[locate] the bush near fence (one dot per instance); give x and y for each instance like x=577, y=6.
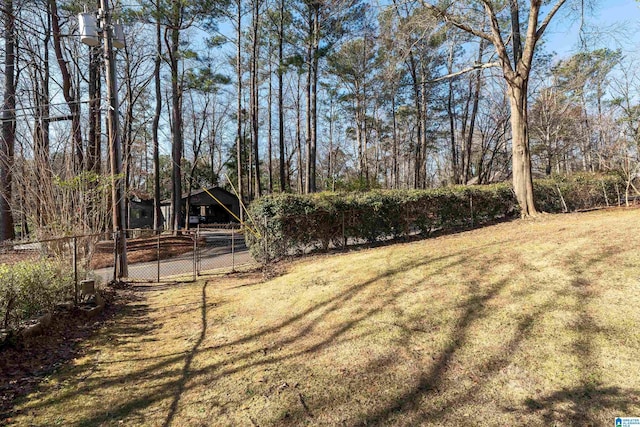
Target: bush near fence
x=30, y=288
x=288, y=223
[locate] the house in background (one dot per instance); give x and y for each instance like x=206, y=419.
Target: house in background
x=204, y=209
x=141, y=213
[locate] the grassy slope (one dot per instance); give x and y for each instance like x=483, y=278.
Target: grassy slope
x=525, y=323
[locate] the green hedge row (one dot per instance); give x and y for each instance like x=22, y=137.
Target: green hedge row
x=290, y=223
x=30, y=288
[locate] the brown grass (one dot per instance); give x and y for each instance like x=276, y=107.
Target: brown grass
x=526, y=323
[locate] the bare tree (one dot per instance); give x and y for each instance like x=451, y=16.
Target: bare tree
x=516, y=65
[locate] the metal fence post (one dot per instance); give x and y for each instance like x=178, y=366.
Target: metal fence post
x=471, y=207
x=195, y=256
x=233, y=249
x=266, y=243
x=158, y=254
x=344, y=238
x=115, y=255
x=74, y=243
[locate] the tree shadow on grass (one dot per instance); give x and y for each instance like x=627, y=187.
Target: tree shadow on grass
x=189, y=378
x=582, y=405
x=185, y=374
x=178, y=371
x=585, y=403
x=48, y=354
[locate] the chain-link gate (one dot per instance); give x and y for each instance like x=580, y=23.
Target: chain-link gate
x=154, y=256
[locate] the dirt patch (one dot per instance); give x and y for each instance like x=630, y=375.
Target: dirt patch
x=11, y=257
x=24, y=363
x=144, y=249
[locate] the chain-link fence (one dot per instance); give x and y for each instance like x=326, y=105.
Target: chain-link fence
x=154, y=256
x=35, y=275
x=81, y=253
x=38, y=276
x=151, y=255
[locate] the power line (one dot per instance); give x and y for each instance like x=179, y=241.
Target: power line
x=51, y=104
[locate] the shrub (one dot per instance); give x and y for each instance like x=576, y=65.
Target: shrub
x=30, y=288
x=289, y=223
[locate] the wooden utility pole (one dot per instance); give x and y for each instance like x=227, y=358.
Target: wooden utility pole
x=117, y=192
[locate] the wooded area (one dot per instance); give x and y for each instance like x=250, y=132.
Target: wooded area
x=298, y=96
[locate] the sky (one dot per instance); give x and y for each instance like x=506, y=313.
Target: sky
x=615, y=24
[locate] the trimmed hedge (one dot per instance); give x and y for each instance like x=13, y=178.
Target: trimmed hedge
x=290, y=223
x=30, y=288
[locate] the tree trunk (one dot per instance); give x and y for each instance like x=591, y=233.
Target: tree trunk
x=239, y=112
x=94, y=149
x=68, y=92
x=254, y=98
x=310, y=53
x=42, y=140
x=299, y=138
x=95, y=115
x=521, y=156
x=270, y=122
x=474, y=113
x=157, y=211
x=7, y=145
x=418, y=110
x=455, y=175
x=176, y=141
x=395, y=174
x=283, y=186
x=313, y=137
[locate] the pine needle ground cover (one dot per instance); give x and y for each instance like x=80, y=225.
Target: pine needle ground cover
x=524, y=323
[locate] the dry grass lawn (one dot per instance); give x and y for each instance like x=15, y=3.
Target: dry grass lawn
x=526, y=323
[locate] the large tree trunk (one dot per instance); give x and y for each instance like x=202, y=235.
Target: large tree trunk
x=176, y=151
x=522, y=178
x=7, y=145
x=239, y=112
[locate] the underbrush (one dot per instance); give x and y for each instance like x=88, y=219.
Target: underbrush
x=28, y=288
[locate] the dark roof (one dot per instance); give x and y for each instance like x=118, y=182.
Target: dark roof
x=195, y=193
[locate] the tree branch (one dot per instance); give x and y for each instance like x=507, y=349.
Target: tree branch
x=548, y=18
x=466, y=70
x=497, y=41
x=456, y=22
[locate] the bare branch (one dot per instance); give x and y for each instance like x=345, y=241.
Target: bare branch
x=466, y=70
x=497, y=39
x=456, y=21
x=548, y=18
